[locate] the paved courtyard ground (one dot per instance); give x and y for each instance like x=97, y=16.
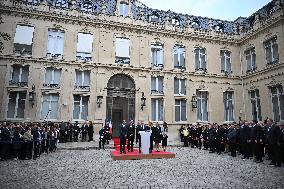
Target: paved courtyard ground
x=192, y=168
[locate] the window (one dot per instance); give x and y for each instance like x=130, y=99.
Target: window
x=88, y=6
x=23, y=40
x=195, y=24
x=180, y=110
x=55, y=44
x=202, y=105
x=52, y=77
x=219, y=27
x=123, y=9
x=19, y=75
x=179, y=86
x=179, y=57
x=154, y=17
x=157, y=109
x=60, y=3
x=277, y=99
x=80, y=110
x=84, y=46
x=176, y=21
x=228, y=106
x=251, y=59
x=49, y=106
x=82, y=80
x=157, y=85
x=200, y=62
x=122, y=51
x=255, y=105
x=16, y=105
x=157, y=53
x=271, y=51
x=226, y=66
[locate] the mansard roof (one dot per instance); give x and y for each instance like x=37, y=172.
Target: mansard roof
x=140, y=11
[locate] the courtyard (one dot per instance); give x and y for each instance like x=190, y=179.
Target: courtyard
x=92, y=168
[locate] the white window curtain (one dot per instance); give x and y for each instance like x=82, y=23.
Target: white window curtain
x=55, y=42
x=277, y=100
x=157, y=109
x=52, y=76
x=228, y=106
x=80, y=110
x=202, y=105
x=16, y=105
x=179, y=56
x=200, y=59
x=157, y=54
x=24, y=35
x=179, y=86
x=82, y=78
x=255, y=105
x=226, y=61
x=49, y=106
x=122, y=48
x=85, y=43
x=157, y=84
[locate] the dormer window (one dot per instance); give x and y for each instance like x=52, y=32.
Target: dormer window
x=154, y=17
x=123, y=9
x=176, y=21
x=88, y=6
x=219, y=27
x=23, y=40
x=195, y=24
x=61, y=3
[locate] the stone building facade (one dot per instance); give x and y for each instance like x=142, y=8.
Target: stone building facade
x=119, y=59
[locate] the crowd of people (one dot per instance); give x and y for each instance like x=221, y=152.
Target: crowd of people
x=250, y=139
x=30, y=140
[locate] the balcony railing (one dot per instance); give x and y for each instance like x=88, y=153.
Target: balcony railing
x=156, y=92
x=84, y=88
x=53, y=86
x=19, y=84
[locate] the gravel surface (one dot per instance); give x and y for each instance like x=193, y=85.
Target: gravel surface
x=192, y=168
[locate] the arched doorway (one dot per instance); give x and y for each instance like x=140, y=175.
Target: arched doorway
x=120, y=101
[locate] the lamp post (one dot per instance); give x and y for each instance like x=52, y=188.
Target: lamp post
x=143, y=101
x=32, y=96
x=99, y=100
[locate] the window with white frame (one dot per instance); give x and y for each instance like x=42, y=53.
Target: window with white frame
x=60, y=3
x=271, y=51
x=176, y=21
x=55, y=45
x=16, y=105
x=250, y=59
x=122, y=52
x=180, y=110
x=179, y=57
x=19, y=75
x=80, y=110
x=157, y=54
x=52, y=77
x=179, y=86
x=255, y=105
x=228, y=105
x=154, y=17
x=277, y=100
x=226, y=66
x=157, y=109
x=202, y=105
x=88, y=6
x=82, y=79
x=157, y=86
x=49, y=106
x=84, y=46
x=23, y=40
x=200, y=59
x=123, y=9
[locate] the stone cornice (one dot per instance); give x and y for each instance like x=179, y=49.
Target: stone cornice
x=119, y=67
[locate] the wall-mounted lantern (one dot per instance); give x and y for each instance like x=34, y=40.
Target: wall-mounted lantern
x=143, y=101
x=194, y=101
x=32, y=96
x=99, y=100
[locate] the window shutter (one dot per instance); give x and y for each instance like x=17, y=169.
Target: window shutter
x=222, y=62
x=24, y=35
x=84, y=43
x=122, y=47
x=176, y=63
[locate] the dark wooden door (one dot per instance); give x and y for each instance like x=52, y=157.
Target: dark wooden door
x=117, y=120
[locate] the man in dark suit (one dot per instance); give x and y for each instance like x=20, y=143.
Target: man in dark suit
x=130, y=135
x=76, y=130
x=274, y=140
x=102, y=135
x=84, y=131
x=245, y=140
x=123, y=135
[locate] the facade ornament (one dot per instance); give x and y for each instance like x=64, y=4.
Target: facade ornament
x=72, y=4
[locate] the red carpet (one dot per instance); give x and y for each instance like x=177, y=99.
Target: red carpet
x=136, y=155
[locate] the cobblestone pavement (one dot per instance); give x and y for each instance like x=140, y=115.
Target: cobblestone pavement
x=192, y=168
